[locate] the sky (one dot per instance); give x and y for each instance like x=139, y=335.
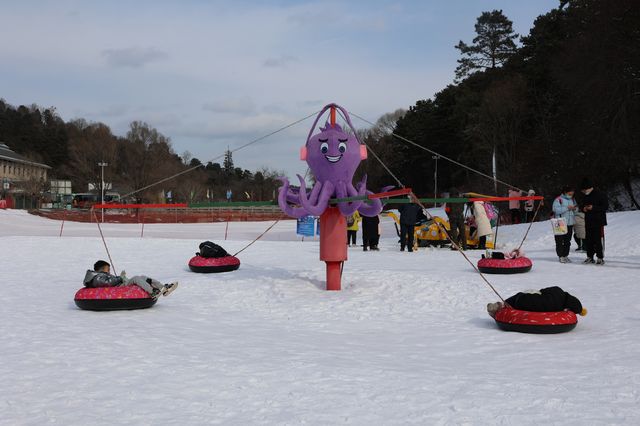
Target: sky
x=217, y=74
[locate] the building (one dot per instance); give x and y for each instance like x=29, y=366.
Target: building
x=16, y=171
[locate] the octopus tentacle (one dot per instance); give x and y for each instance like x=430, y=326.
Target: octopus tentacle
x=375, y=207
x=283, y=193
x=372, y=209
x=342, y=191
x=319, y=206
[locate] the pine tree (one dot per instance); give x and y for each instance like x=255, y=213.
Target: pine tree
x=227, y=165
x=492, y=46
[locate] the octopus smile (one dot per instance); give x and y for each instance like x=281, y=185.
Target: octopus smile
x=333, y=158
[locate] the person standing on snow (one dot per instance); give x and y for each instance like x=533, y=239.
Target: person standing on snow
x=528, y=207
x=579, y=231
x=594, y=206
x=483, y=224
x=408, y=218
x=370, y=236
x=352, y=228
x=456, y=221
x=564, y=206
x=514, y=205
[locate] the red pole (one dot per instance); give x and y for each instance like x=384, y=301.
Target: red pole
x=333, y=245
x=64, y=215
x=142, y=231
x=333, y=116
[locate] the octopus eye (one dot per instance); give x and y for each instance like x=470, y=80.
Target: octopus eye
x=324, y=148
x=342, y=147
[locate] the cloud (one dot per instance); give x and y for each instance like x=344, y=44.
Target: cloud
x=279, y=62
x=134, y=57
x=311, y=103
x=244, y=105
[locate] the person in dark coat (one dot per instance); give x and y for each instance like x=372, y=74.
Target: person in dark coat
x=370, y=235
x=456, y=221
x=594, y=206
x=101, y=276
x=551, y=299
x=409, y=214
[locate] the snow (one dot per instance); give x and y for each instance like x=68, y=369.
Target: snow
x=407, y=341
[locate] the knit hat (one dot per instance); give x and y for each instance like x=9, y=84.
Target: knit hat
x=586, y=184
x=573, y=304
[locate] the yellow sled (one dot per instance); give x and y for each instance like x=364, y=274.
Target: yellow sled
x=430, y=234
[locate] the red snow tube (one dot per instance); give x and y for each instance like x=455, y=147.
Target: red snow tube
x=505, y=266
x=113, y=298
x=509, y=319
x=208, y=265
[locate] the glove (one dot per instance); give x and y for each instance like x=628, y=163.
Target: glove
x=583, y=312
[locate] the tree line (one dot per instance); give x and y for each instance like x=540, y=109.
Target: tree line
x=142, y=157
x=562, y=105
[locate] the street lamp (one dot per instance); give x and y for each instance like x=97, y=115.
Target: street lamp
x=102, y=165
x=435, y=180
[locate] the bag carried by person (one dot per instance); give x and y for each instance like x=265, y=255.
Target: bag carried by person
x=209, y=249
x=559, y=225
x=351, y=220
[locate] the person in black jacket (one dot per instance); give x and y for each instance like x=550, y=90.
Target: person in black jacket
x=370, y=235
x=594, y=206
x=456, y=220
x=551, y=299
x=408, y=218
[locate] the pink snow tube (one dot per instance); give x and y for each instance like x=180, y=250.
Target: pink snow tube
x=510, y=319
x=505, y=266
x=113, y=298
x=214, y=264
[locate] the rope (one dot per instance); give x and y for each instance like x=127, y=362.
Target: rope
x=440, y=155
x=530, y=225
x=221, y=155
x=416, y=200
x=104, y=242
x=384, y=165
x=259, y=236
x=455, y=245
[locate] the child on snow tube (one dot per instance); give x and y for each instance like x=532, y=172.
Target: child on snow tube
x=101, y=277
x=551, y=299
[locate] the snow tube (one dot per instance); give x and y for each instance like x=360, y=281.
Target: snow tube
x=505, y=266
x=509, y=319
x=113, y=298
x=209, y=265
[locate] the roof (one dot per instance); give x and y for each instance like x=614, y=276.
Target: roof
x=7, y=153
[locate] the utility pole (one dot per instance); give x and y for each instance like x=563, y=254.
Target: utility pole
x=495, y=171
x=435, y=179
x=102, y=166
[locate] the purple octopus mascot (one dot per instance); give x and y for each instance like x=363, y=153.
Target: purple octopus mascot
x=333, y=156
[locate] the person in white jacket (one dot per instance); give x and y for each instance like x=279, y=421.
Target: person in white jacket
x=483, y=223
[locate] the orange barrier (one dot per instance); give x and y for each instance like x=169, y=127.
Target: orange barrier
x=140, y=206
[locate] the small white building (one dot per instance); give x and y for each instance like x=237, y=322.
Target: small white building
x=21, y=179
x=15, y=168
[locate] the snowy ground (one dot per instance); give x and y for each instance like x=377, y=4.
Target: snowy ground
x=407, y=341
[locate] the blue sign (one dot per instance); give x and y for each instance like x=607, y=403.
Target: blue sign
x=305, y=226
